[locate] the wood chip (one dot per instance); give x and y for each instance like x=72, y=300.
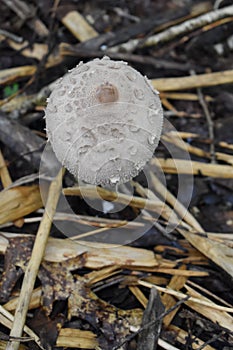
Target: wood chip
x=79, y=26
x=19, y=201
x=76, y=338
x=176, y=283
x=97, y=255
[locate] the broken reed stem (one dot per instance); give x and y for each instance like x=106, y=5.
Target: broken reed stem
x=34, y=263
x=181, y=166
x=179, y=208
x=192, y=82
x=181, y=295
x=102, y=193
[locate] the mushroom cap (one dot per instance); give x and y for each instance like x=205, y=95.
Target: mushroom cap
x=104, y=121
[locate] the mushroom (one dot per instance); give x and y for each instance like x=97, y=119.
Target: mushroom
x=104, y=121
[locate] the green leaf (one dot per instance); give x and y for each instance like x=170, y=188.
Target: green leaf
x=10, y=90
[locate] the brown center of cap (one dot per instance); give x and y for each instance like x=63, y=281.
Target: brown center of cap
x=107, y=93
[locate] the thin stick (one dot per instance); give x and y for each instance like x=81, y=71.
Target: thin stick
x=181, y=295
x=211, y=340
x=209, y=121
x=34, y=263
x=89, y=233
x=177, y=30
x=206, y=291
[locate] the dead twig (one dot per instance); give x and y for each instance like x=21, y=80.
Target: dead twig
x=209, y=121
x=177, y=30
x=210, y=124
x=12, y=36
x=27, y=13
x=148, y=338
x=211, y=340
x=149, y=324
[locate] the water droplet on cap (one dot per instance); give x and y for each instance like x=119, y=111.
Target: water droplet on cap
x=134, y=128
x=102, y=148
x=83, y=149
x=83, y=68
x=151, y=139
x=152, y=118
x=115, y=179
x=139, y=94
x=67, y=136
x=115, y=65
x=138, y=166
x=73, y=80
x=52, y=108
x=83, y=103
x=71, y=93
x=61, y=92
x=68, y=108
x=131, y=75
x=120, y=139
x=133, y=150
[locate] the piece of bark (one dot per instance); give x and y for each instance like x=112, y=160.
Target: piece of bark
x=148, y=337
x=16, y=258
x=98, y=255
x=6, y=181
x=24, y=143
x=19, y=201
x=113, y=324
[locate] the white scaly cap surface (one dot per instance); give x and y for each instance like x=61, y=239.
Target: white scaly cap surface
x=104, y=121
